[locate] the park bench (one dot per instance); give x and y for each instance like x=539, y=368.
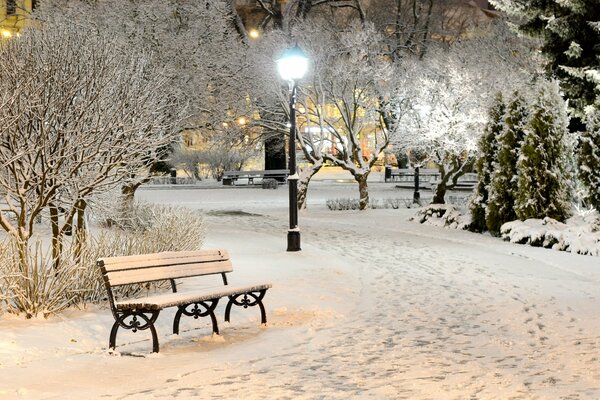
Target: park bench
x=141, y=313
x=405, y=177
x=230, y=177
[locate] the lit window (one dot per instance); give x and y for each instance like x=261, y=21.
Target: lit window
x=11, y=7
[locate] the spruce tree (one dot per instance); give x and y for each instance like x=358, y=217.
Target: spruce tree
x=545, y=166
x=488, y=147
x=589, y=157
x=503, y=182
x=570, y=31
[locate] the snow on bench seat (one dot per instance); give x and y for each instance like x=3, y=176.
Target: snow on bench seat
x=161, y=301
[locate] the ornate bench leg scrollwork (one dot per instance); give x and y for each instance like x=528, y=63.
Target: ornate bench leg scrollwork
x=134, y=321
x=246, y=300
x=196, y=311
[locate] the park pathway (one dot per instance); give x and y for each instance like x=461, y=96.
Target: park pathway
x=435, y=318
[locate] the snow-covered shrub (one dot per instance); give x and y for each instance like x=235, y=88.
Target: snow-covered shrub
x=270, y=183
x=589, y=156
x=34, y=287
x=488, y=149
x=545, y=163
x=31, y=286
x=579, y=234
x=443, y=215
x=503, y=182
x=354, y=204
x=396, y=203
x=342, y=204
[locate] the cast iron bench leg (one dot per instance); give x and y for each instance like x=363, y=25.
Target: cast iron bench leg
x=134, y=325
x=197, y=312
x=246, y=302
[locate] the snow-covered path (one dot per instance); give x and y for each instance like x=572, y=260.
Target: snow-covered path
x=439, y=318
x=373, y=307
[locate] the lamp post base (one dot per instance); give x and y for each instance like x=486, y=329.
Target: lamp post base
x=416, y=197
x=293, y=240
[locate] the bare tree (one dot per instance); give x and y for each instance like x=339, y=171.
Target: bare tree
x=80, y=114
x=343, y=121
x=195, y=43
x=411, y=26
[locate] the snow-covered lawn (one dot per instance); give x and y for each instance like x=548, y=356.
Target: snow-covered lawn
x=373, y=307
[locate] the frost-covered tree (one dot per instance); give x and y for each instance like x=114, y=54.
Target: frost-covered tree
x=410, y=26
x=503, y=181
x=279, y=18
x=570, y=31
x=452, y=88
x=488, y=149
x=79, y=114
x=447, y=115
x=340, y=99
x=196, y=45
x=589, y=156
x=545, y=163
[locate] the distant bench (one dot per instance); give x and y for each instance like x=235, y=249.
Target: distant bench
x=407, y=175
x=230, y=177
x=141, y=313
x=428, y=178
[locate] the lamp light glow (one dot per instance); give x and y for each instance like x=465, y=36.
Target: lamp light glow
x=293, y=64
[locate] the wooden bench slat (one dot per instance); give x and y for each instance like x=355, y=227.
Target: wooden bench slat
x=164, y=258
x=158, y=302
x=123, y=277
x=124, y=266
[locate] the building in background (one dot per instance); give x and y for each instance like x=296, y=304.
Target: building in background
x=14, y=15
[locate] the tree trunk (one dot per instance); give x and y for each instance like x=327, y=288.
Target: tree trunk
x=81, y=231
x=303, y=182
x=363, y=190
x=23, y=252
x=56, y=236
x=127, y=199
x=440, y=192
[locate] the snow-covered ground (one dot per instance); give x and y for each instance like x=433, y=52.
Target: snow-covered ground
x=373, y=307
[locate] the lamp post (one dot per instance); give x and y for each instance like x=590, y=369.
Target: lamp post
x=292, y=66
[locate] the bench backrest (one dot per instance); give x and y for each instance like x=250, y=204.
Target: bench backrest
x=161, y=266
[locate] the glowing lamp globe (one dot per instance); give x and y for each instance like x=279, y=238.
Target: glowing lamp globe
x=293, y=64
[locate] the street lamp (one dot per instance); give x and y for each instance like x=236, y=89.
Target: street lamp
x=292, y=66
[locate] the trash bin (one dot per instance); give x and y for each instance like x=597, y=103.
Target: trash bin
x=173, y=172
x=388, y=173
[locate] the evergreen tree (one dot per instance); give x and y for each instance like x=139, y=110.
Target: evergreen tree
x=488, y=147
x=589, y=157
x=503, y=183
x=570, y=31
x=545, y=165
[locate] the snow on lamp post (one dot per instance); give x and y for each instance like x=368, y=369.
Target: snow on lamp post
x=292, y=66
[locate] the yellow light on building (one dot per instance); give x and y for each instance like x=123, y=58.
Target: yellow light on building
x=242, y=121
x=6, y=33
x=253, y=33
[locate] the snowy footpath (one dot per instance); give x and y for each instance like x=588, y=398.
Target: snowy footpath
x=373, y=307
